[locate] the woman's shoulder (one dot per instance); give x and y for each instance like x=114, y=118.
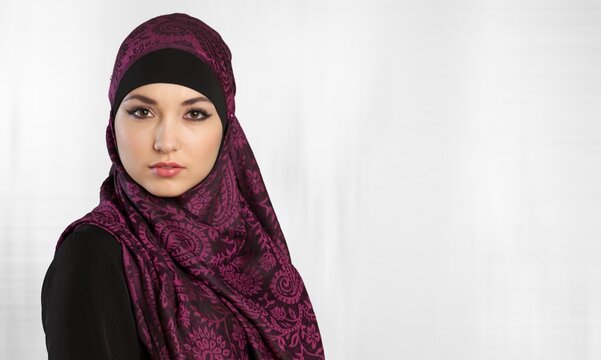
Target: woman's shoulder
x=91, y=232
x=86, y=309
x=86, y=263
x=88, y=240
x=86, y=266
x=87, y=254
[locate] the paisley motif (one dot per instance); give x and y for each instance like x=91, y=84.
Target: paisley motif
x=286, y=286
x=187, y=245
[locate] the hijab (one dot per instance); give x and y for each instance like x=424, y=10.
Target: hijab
x=208, y=272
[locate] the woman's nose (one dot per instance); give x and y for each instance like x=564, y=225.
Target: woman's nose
x=166, y=136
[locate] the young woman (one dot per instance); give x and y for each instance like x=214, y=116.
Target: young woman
x=183, y=258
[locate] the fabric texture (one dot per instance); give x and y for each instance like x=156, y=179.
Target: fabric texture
x=209, y=272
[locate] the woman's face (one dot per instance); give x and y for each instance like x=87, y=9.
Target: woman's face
x=169, y=124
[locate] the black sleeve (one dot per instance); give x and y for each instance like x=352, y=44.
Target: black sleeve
x=86, y=309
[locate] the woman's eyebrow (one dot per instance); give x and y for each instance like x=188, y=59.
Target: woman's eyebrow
x=194, y=100
x=142, y=98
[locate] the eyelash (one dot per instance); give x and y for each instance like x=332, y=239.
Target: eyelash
x=205, y=114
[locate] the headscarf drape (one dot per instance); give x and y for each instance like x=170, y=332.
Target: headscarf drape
x=209, y=272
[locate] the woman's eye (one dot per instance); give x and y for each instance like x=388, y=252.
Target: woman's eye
x=140, y=112
x=198, y=114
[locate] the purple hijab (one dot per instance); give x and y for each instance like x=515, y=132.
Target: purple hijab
x=209, y=272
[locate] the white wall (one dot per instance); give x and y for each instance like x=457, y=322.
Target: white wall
x=435, y=165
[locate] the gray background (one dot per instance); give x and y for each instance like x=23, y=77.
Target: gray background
x=435, y=165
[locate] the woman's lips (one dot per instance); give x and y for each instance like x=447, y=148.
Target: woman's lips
x=168, y=169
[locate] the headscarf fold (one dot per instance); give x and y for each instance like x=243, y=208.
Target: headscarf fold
x=209, y=272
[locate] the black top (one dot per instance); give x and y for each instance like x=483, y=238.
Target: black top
x=86, y=309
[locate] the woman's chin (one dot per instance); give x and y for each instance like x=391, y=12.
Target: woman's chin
x=165, y=191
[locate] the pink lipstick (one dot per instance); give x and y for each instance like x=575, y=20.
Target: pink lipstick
x=166, y=169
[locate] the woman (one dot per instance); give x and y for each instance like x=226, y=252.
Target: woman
x=184, y=257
